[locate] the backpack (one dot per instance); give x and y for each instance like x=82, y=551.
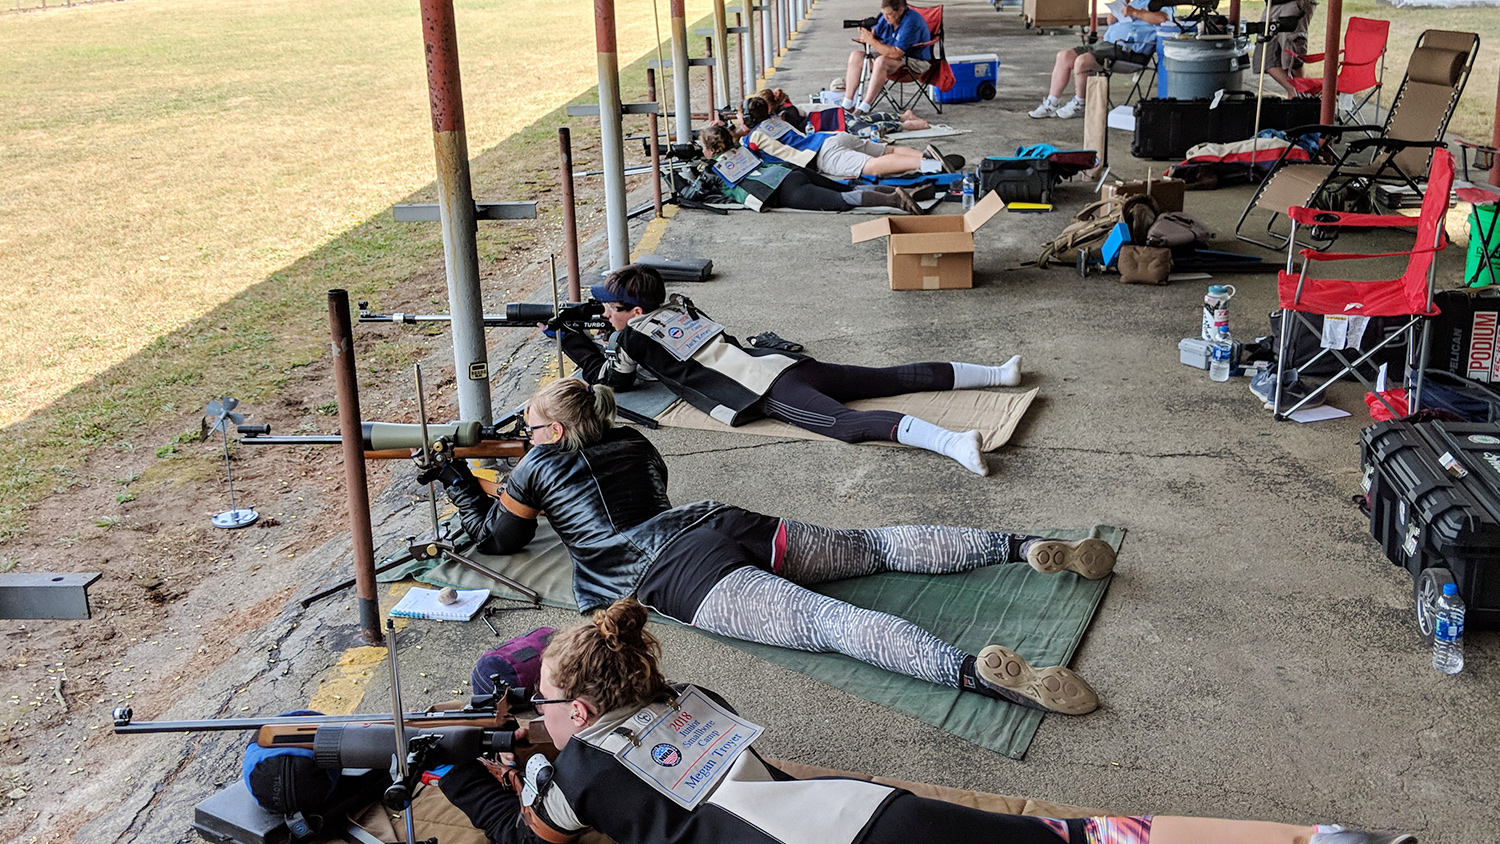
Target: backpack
x=1091, y=227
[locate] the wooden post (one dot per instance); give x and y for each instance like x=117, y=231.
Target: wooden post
x=1333, y=28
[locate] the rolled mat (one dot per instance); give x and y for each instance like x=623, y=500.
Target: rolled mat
x=1042, y=617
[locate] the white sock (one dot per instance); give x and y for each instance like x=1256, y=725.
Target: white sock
x=846, y=104
x=1050, y=100
x=967, y=375
x=931, y=166
x=1078, y=100
x=862, y=108
x=962, y=446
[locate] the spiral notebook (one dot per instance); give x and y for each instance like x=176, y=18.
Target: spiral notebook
x=424, y=603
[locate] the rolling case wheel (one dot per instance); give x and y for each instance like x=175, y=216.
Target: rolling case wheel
x=1426, y=589
x=986, y=91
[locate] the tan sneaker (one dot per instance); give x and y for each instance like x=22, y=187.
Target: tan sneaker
x=1055, y=689
x=1092, y=558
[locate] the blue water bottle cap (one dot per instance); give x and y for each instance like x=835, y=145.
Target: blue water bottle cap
x=1217, y=289
x=1450, y=589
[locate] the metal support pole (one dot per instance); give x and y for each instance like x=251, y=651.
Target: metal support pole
x=747, y=42
x=708, y=51
x=570, y=212
x=788, y=21
x=739, y=59
x=1495, y=142
x=767, y=39
x=456, y=211
x=1333, y=27
x=681, y=82
x=651, y=123
x=611, y=142
x=346, y=390
x=721, y=55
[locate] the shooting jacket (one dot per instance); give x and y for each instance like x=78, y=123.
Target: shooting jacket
x=754, y=803
x=608, y=503
x=723, y=378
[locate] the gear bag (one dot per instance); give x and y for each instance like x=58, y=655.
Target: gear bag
x=1091, y=227
x=517, y=663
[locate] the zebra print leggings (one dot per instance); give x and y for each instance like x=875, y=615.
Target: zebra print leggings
x=759, y=606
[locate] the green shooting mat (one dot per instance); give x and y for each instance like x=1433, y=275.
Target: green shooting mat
x=1042, y=617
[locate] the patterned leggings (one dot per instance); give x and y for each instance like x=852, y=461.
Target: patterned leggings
x=759, y=606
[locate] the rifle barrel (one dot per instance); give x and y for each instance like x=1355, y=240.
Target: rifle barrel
x=220, y=724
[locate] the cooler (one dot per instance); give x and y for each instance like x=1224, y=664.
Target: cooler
x=1442, y=524
x=973, y=79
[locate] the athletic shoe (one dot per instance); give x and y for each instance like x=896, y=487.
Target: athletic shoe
x=1073, y=108
x=1055, y=689
x=906, y=202
x=1092, y=558
x=1048, y=108
x=922, y=192
x=951, y=163
x=1293, y=389
x=1355, y=836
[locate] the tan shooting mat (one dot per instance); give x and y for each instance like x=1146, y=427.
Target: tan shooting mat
x=994, y=415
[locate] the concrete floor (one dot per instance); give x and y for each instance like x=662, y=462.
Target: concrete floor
x=1256, y=654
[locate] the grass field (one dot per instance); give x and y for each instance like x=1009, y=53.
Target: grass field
x=185, y=178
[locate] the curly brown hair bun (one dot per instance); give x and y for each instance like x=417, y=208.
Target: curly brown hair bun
x=609, y=661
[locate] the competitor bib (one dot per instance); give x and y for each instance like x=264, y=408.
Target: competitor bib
x=773, y=127
x=679, y=333
x=684, y=752
x=733, y=166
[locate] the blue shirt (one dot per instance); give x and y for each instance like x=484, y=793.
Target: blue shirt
x=1133, y=33
x=910, y=31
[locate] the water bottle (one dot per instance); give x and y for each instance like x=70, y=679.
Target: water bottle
x=1216, y=311
x=1448, y=632
x=1218, y=363
x=969, y=189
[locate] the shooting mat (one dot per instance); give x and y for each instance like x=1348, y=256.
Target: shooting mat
x=1040, y=616
x=995, y=415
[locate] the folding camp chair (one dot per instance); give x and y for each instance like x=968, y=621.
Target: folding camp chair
x=1409, y=296
x=1435, y=78
x=938, y=74
x=1361, y=66
x=1143, y=75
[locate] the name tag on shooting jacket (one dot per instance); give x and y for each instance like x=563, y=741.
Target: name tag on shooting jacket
x=733, y=166
x=685, y=752
x=773, y=127
x=679, y=333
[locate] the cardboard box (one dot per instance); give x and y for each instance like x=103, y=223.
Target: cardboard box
x=1168, y=193
x=933, y=252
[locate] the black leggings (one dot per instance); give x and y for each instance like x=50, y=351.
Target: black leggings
x=811, y=395
x=798, y=191
x=907, y=818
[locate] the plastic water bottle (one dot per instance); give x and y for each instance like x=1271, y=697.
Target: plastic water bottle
x=1216, y=311
x=969, y=189
x=1218, y=362
x=1448, y=632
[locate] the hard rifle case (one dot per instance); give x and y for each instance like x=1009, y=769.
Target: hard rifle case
x=1017, y=179
x=1424, y=516
x=1166, y=129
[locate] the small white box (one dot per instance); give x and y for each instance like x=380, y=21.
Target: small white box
x=1195, y=352
x=830, y=97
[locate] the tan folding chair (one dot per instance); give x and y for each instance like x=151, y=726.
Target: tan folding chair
x=1435, y=78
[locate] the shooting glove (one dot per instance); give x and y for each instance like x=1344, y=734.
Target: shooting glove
x=450, y=472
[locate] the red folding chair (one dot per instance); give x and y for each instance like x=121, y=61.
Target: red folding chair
x=1361, y=66
x=1409, y=296
x=938, y=74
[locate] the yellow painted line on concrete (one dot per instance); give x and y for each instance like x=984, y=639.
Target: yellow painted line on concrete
x=654, y=231
x=342, y=687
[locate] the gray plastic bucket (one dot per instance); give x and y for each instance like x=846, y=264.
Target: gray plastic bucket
x=1196, y=68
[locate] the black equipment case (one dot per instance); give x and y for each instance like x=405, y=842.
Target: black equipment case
x=1017, y=179
x=1165, y=129
x=1441, y=524
x=1466, y=335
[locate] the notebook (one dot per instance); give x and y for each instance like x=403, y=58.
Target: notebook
x=423, y=603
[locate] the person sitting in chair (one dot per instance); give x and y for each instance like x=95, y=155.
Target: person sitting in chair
x=891, y=44
x=1130, y=39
